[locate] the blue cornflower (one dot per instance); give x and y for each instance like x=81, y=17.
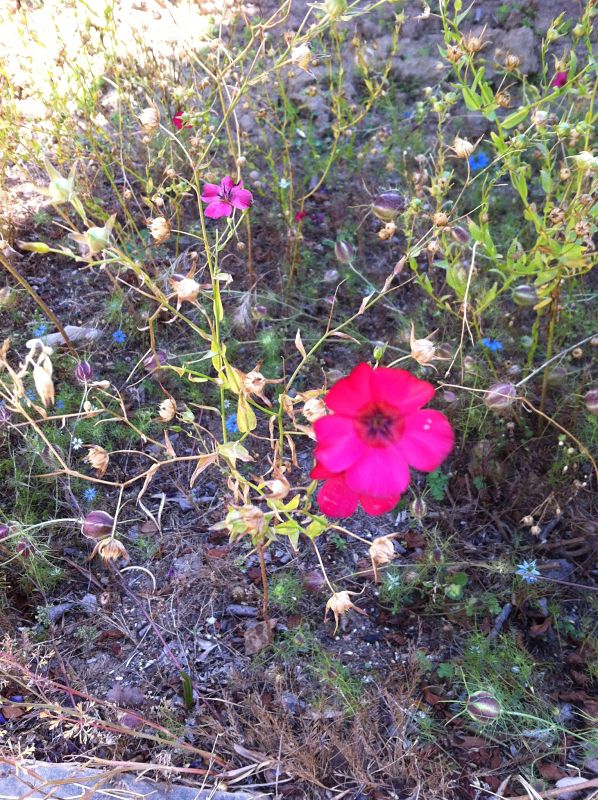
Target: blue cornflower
x=528, y=571
x=119, y=336
x=40, y=330
x=90, y=494
x=231, y=424
x=492, y=344
x=478, y=161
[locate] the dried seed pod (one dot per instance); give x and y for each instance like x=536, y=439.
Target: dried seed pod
x=344, y=252
x=98, y=458
x=500, y=396
x=149, y=119
x=381, y=551
x=591, y=400
x=339, y=603
x=462, y=147
x=483, y=707
x=159, y=229
x=167, y=409
x=97, y=524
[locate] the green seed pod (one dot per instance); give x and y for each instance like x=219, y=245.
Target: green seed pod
x=335, y=8
x=388, y=205
x=483, y=707
x=525, y=295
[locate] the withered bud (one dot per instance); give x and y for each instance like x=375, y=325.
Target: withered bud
x=462, y=147
x=159, y=229
x=314, y=408
x=167, y=409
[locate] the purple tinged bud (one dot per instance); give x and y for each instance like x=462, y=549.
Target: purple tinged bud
x=4, y=531
x=344, y=252
x=524, y=295
x=97, y=524
x=388, y=205
x=83, y=372
x=154, y=361
x=259, y=312
x=500, y=396
x=460, y=234
x=418, y=509
x=483, y=707
x=591, y=400
x=23, y=548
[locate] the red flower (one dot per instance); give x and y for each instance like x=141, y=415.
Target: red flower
x=377, y=431
x=222, y=198
x=177, y=121
x=300, y=215
x=559, y=80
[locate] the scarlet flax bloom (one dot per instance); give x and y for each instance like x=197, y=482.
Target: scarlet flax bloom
x=222, y=199
x=559, y=80
x=177, y=121
x=379, y=429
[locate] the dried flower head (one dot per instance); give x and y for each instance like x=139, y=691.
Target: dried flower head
x=42, y=378
x=314, y=408
x=473, y=42
x=149, y=119
x=440, y=219
x=278, y=486
x=564, y=173
x=339, y=603
x=454, y=53
x=382, y=551
x=301, y=56
x=388, y=231
x=422, y=350
x=511, y=62
x=186, y=290
x=159, y=228
x=247, y=519
x=503, y=99
x=167, y=409
x=110, y=549
x=98, y=458
x=539, y=117
x=462, y=148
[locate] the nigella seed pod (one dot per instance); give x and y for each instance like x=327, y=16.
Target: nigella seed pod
x=483, y=707
x=24, y=548
x=314, y=582
x=83, y=372
x=418, y=509
x=97, y=524
x=556, y=376
x=388, y=205
x=500, y=396
x=4, y=531
x=344, y=252
x=459, y=234
x=524, y=295
x=591, y=400
x=153, y=361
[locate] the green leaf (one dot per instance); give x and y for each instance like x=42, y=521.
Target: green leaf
x=515, y=118
x=472, y=101
x=316, y=527
x=546, y=181
x=291, y=529
x=187, y=691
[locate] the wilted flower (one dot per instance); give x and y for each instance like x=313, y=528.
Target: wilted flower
x=559, y=80
x=591, y=400
x=382, y=551
x=422, y=350
x=83, y=372
x=224, y=198
x=247, y=519
x=301, y=55
x=454, y=53
x=97, y=524
x=111, y=549
x=98, y=458
x=500, y=396
x=339, y=604
x=483, y=707
x=503, y=99
x=473, y=42
x=149, y=119
x=186, y=290
x=512, y=62
x=278, y=487
x=42, y=377
x=167, y=409
x=159, y=229
x=314, y=408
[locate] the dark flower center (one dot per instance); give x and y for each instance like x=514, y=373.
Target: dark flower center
x=378, y=425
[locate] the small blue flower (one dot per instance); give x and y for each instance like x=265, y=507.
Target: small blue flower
x=119, y=336
x=478, y=161
x=60, y=404
x=231, y=424
x=90, y=494
x=528, y=571
x=40, y=330
x=31, y=395
x=492, y=344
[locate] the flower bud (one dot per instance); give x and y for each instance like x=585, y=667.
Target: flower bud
x=83, y=372
x=33, y=247
x=159, y=229
x=98, y=239
x=97, y=524
x=500, y=396
x=388, y=205
x=591, y=400
x=344, y=252
x=418, y=509
x=524, y=295
x=335, y=8
x=483, y=707
x=313, y=581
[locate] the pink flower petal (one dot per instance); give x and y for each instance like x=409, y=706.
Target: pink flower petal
x=426, y=440
x=241, y=198
x=336, y=499
x=320, y=473
x=378, y=505
x=227, y=184
x=177, y=120
x=400, y=389
x=380, y=472
x=217, y=209
x=210, y=191
x=339, y=446
x=350, y=394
